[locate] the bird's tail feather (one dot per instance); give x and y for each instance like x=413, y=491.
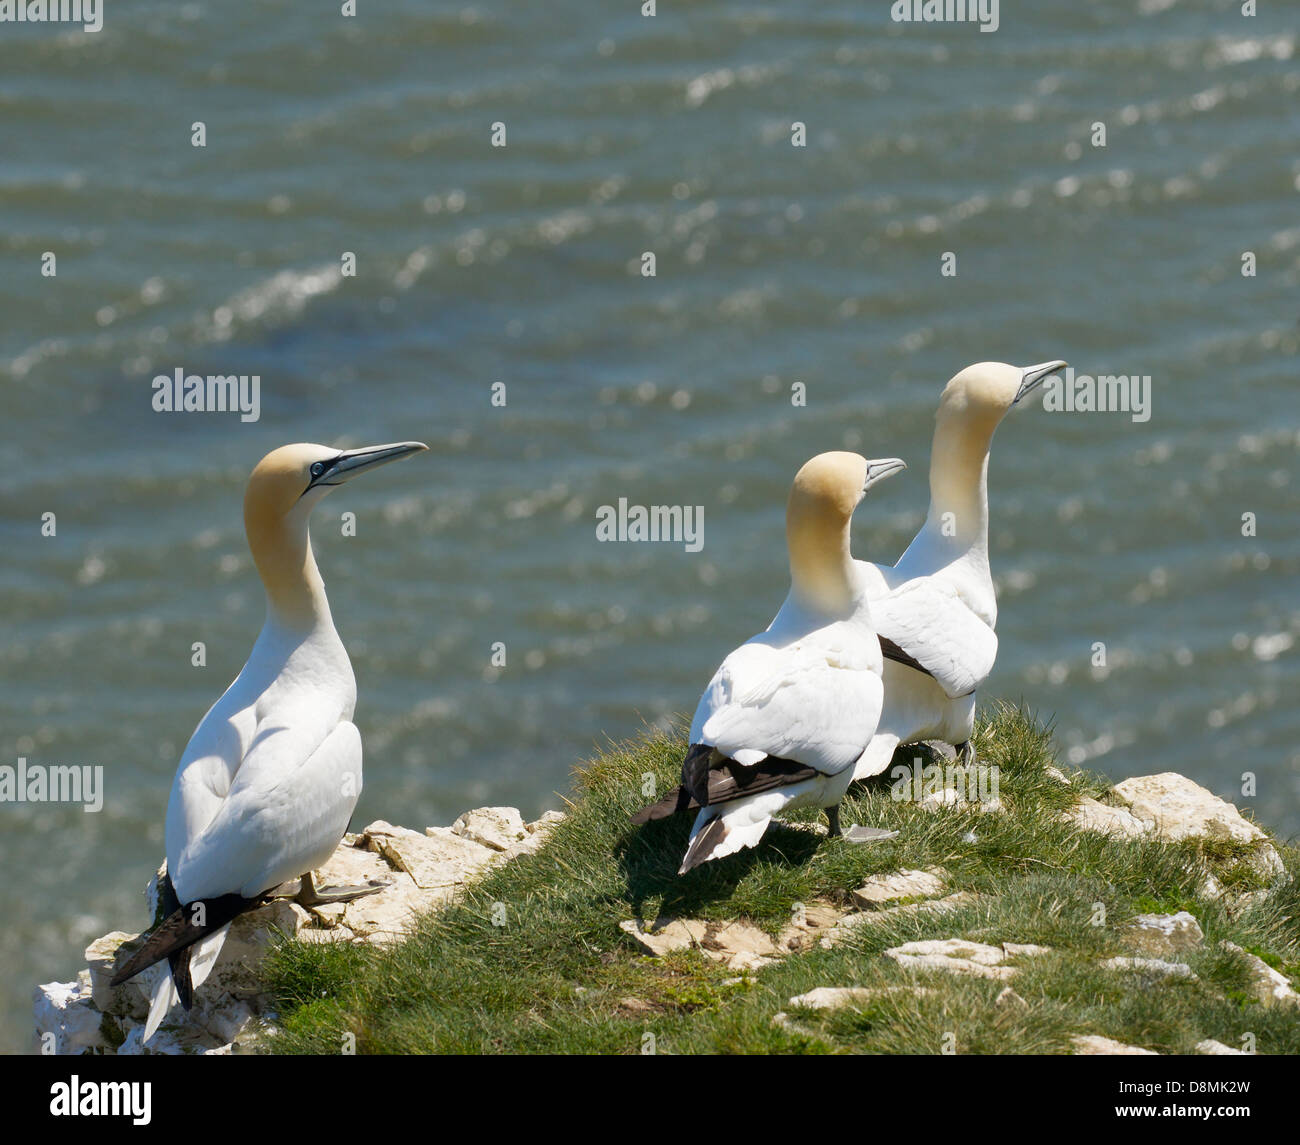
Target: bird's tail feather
x=164, y=996
x=204, y=956
x=187, y=971
x=183, y=928
x=721, y=835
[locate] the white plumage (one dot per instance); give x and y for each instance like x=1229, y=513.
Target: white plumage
x=931, y=619
x=938, y=604
x=804, y=689
x=805, y=694
x=268, y=781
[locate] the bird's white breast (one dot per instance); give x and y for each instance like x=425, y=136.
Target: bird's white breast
x=294, y=680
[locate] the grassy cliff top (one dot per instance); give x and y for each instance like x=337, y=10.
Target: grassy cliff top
x=532, y=959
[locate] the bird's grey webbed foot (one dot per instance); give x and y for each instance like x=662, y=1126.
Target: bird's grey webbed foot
x=309, y=895
x=860, y=834
x=966, y=753
x=833, y=818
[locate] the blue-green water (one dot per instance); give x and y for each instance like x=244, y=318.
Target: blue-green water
x=479, y=264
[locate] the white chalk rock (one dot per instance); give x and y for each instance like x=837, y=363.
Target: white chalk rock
x=497, y=827
x=386, y=917
x=353, y=864
x=1268, y=985
x=855, y=997
x=438, y=858
x=538, y=832
x=102, y=957
x=1150, y=969
x=953, y=955
x=1267, y=864
x=1092, y=815
x=665, y=936
x=417, y=872
x=1155, y=935
x=1096, y=1044
x=237, y=971
x=1210, y=1046
x=850, y=922
x=1176, y=808
x=740, y=945
x=952, y=948
x=171, y=1040
x=66, y=1019
x=1024, y=950
x=809, y=923
x=881, y=889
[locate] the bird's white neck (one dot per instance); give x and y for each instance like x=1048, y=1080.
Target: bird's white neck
x=295, y=593
x=822, y=579
x=958, y=520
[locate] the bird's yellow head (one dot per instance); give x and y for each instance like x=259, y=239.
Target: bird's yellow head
x=297, y=476
x=830, y=486
x=817, y=518
x=282, y=490
x=982, y=394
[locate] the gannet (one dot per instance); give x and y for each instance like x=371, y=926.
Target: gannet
x=935, y=610
x=790, y=711
x=267, y=784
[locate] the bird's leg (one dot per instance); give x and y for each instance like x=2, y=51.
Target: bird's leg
x=290, y=890
x=309, y=896
x=833, y=818
x=966, y=753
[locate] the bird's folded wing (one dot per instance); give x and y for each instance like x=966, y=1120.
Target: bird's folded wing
x=930, y=622
x=813, y=702
x=286, y=811
x=207, y=769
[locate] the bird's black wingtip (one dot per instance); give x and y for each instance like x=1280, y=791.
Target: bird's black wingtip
x=179, y=931
x=678, y=799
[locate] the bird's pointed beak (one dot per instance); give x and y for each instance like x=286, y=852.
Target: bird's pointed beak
x=354, y=461
x=880, y=469
x=1032, y=376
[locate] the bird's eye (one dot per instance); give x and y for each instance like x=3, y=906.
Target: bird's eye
x=317, y=468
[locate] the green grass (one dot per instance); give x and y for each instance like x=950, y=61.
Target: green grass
x=560, y=977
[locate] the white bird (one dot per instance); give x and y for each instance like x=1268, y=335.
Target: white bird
x=267, y=784
x=790, y=711
x=936, y=610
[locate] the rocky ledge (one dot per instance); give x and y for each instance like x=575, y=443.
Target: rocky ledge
x=1166, y=806
x=426, y=871
x=423, y=872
